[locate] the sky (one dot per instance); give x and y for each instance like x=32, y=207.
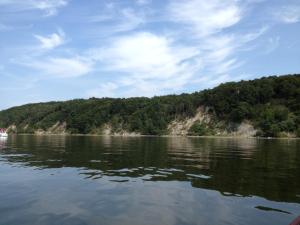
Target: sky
x=64, y=49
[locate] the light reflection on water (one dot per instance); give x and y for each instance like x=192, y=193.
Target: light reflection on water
x=148, y=180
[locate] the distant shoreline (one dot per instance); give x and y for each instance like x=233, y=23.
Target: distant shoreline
x=164, y=136
x=256, y=108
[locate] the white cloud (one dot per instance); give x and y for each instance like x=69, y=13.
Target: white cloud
x=288, y=14
x=148, y=62
x=51, y=41
x=129, y=21
x=147, y=55
x=60, y=67
x=116, y=20
x=205, y=22
x=50, y=7
x=221, y=50
x=206, y=17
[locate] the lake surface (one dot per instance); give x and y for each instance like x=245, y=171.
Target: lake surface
x=148, y=181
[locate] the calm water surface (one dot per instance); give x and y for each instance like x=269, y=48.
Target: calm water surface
x=148, y=181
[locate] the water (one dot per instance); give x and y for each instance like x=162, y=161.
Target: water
x=148, y=181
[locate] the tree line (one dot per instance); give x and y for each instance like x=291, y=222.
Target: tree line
x=272, y=104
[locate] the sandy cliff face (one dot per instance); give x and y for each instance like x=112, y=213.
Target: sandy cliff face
x=181, y=126
x=245, y=129
x=12, y=129
x=57, y=128
x=178, y=127
x=107, y=130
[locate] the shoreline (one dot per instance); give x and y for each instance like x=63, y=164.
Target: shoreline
x=164, y=136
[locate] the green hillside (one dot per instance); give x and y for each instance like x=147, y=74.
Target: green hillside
x=271, y=104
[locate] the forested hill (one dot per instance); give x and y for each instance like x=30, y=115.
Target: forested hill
x=270, y=104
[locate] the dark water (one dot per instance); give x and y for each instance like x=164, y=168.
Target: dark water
x=148, y=181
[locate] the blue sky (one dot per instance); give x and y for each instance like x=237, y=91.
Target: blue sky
x=66, y=49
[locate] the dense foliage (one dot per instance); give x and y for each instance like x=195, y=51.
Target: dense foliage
x=272, y=104
x=198, y=129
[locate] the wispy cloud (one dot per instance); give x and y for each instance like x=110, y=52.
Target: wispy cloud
x=150, y=64
x=206, y=22
x=221, y=50
x=129, y=20
x=288, y=14
x=146, y=55
x=141, y=47
x=206, y=17
x=50, y=7
x=113, y=20
x=59, y=67
x=145, y=58
x=51, y=41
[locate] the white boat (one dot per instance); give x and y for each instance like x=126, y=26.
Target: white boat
x=3, y=133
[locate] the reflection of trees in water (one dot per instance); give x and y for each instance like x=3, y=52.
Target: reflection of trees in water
x=242, y=167
x=272, y=171
x=202, y=151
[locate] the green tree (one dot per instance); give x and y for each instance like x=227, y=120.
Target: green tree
x=198, y=129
